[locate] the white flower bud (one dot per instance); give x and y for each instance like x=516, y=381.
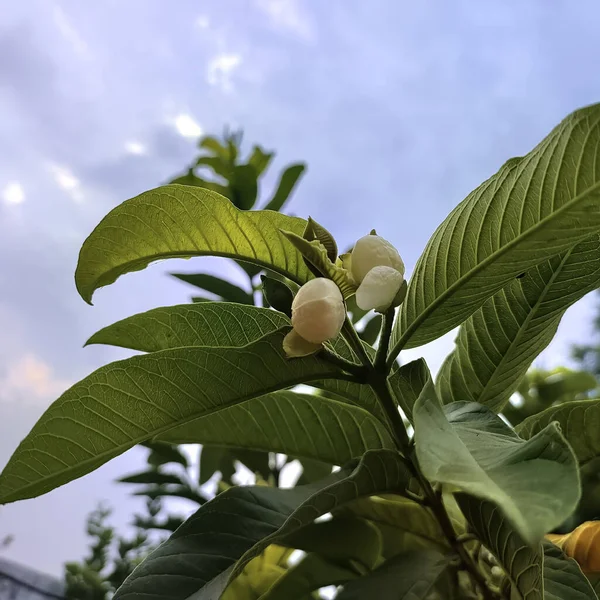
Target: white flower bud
x=318, y=310
x=379, y=288
x=374, y=251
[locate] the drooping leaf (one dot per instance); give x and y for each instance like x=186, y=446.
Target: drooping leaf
x=277, y=295
x=213, y=459
x=407, y=383
x=287, y=182
x=238, y=524
x=302, y=425
x=579, y=422
x=244, y=186
x=179, y=491
x=180, y=222
x=582, y=544
x=532, y=209
x=215, y=285
x=206, y=324
x=563, y=579
x=405, y=526
x=409, y=576
x=497, y=344
x=162, y=454
x=535, y=483
x=522, y=563
x=311, y=573
x=139, y=398
x=151, y=476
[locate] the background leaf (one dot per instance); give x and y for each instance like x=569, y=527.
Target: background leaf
x=535, y=483
x=497, y=344
x=287, y=182
x=238, y=524
x=178, y=222
x=215, y=285
x=535, y=207
x=136, y=399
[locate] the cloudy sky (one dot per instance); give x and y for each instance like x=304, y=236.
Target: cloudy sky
x=400, y=109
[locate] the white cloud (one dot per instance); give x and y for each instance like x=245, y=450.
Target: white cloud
x=65, y=179
x=69, y=32
x=220, y=68
x=29, y=379
x=287, y=15
x=134, y=147
x=13, y=193
x=202, y=22
x=187, y=126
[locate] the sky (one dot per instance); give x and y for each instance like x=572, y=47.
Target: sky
x=399, y=108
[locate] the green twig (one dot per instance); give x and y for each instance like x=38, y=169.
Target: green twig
x=384, y=341
x=355, y=342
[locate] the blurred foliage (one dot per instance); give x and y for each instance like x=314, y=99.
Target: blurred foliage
x=588, y=355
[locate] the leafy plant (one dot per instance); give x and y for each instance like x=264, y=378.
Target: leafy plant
x=446, y=500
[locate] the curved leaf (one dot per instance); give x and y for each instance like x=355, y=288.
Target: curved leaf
x=535, y=483
x=177, y=221
x=563, y=579
x=407, y=383
x=215, y=285
x=533, y=208
x=301, y=425
x=410, y=576
x=287, y=182
x=238, y=524
x=522, y=563
x=579, y=422
x=497, y=344
x=582, y=544
x=204, y=324
x=139, y=398
x=152, y=476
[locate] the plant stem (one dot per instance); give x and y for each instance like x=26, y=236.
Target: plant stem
x=359, y=371
x=355, y=342
x=384, y=341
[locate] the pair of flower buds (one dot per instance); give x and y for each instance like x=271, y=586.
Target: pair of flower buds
x=319, y=311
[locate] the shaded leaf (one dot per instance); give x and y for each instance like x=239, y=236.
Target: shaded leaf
x=497, y=344
x=313, y=470
x=136, y=399
x=215, y=285
x=582, y=544
x=287, y=182
x=563, y=579
x=405, y=577
x=180, y=491
x=407, y=383
x=238, y=524
x=179, y=222
x=205, y=324
x=213, y=459
x=162, y=454
x=522, y=563
x=532, y=209
x=277, y=295
x=190, y=178
x=215, y=146
x=244, y=186
x=260, y=160
x=371, y=330
x=535, y=483
x=151, y=476
x=302, y=425
x=219, y=165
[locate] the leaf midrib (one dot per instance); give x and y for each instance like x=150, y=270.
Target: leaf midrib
x=405, y=337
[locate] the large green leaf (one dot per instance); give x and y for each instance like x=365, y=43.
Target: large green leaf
x=177, y=221
x=533, y=208
x=405, y=525
x=203, y=324
x=410, y=576
x=407, y=382
x=302, y=425
x=239, y=523
x=497, y=344
x=215, y=285
x=579, y=422
x=535, y=483
x=522, y=563
x=287, y=182
x=563, y=579
x=136, y=399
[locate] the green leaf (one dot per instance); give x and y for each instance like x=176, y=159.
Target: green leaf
x=244, y=186
x=409, y=576
x=139, y=398
x=260, y=160
x=151, y=476
x=302, y=425
x=535, y=483
x=204, y=324
x=199, y=299
x=190, y=178
x=340, y=539
x=563, y=579
x=405, y=526
x=497, y=344
x=407, y=383
x=239, y=523
x=215, y=285
x=287, y=182
x=277, y=295
x=579, y=422
x=316, y=231
x=371, y=330
x=180, y=222
x=162, y=454
x=534, y=208
x=311, y=573
x=213, y=459
x=215, y=146
x=313, y=470
x=522, y=564
x=356, y=313
x=217, y=164
x=180, y=491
